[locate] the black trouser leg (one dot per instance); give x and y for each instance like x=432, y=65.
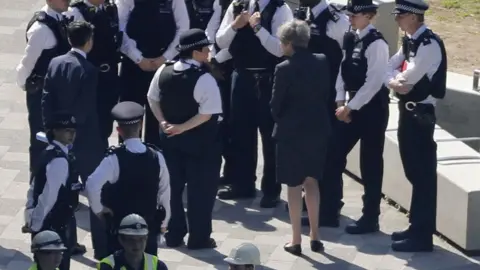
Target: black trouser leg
x=345, y=136
x=177, y=227
x=243, y=143
x=35, y=123
x=72, y=231
x=107, y=97
x=152, y=244
x=374, y=123
x=65, y=264
x=225, y=89
x=270, y=187
x=418, y=151
x=99, y=236
x=202, y=180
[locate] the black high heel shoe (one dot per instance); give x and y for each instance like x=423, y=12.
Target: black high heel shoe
x=316, y=246
x=293, y=249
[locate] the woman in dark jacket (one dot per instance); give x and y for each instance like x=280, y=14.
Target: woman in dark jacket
x=300, y=109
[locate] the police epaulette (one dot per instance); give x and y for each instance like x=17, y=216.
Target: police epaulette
x=153, y=147
x=41, y=16
x=169, y=62
x=334, y=10
x=111, y=150
x=427, y=38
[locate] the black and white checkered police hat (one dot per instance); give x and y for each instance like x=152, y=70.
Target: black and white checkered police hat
x=410, y=6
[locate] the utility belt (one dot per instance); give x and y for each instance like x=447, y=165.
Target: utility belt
x=424, y=113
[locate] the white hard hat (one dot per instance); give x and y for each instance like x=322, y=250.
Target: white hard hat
x=47, y=241
x=133, y=224
x=243, y=255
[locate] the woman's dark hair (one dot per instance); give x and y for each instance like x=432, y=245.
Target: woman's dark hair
x=79, y=33
x=188, y=53
x=50, y=136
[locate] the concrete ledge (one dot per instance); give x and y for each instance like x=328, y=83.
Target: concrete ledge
x=458, y=209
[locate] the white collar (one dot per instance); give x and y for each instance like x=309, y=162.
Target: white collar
x=362, y=33
x=62, y=146
x=418, y=32
x=82, y=53
x=132, y=142
x=52, y=13
x=319, y=8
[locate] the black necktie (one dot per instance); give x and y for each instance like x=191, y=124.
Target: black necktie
x=256, y=8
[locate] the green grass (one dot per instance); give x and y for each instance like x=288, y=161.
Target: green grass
x=462, y=8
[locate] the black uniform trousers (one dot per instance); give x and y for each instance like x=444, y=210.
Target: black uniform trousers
x=250, y=112
x=64, y=234
x=418, y=152
x=200, y=172
x=136, y=83
x=108, y=92
x=368, y=125
x=225, y=86
x=35, y=122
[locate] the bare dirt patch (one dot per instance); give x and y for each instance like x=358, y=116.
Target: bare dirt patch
x=458, y=24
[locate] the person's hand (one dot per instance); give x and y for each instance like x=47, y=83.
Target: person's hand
x=163, y=230
x=343, y=114
x=164, y=125
x=173, y=130
x=105, y=212
x=146, y=64
x=397, y=86
x=241, y=20
x=254, y=19
x=158, y=62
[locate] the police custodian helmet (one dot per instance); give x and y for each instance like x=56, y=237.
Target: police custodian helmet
x=47, y=241
x=133, y=224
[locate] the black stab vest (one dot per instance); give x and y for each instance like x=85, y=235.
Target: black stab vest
x=437, y=86
x=200, y=12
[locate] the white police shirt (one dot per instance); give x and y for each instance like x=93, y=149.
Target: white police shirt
x=270, y=41
x=425, y=62
x=180, y=14
x=335, y=30
x=56, y=175
x=128, y=47
x=40, y=38
x=213, y=25
x=206, y=91
x=108, y=172
x=377, y=61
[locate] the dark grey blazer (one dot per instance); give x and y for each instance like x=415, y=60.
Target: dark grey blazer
x=300, y=97
x=71, y=85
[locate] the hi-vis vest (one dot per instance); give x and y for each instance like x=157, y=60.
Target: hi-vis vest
x=150, y=262
x=35, y=267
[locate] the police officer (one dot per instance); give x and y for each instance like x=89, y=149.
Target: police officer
x=365, y=116
x=155, y=26
x=248, y=30
x=123, y=167
x=108, y=41
x=46, y=39
x=186, y=101
x=53, y=195
x=327, y=27
x=47, y=248
x=132, y=234
x=417, y=73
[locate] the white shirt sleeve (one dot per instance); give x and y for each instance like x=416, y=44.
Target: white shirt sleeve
x=129, y=46
x=182, y=21
x=153, y=90
x=270, y=41
x=426, y=62
x=225, y=33
x=40, y=38
x=213, y=25
x=340, y=85
x=74, y=13
x=336, y=30
x=107, y=172
x=56, y=176
x=377, y=62
x=207, y=94
x=163, y=197
x=394, y=65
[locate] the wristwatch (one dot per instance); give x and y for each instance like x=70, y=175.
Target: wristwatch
x=257, y=28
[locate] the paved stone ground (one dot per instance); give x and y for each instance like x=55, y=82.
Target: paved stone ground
x=235, y=222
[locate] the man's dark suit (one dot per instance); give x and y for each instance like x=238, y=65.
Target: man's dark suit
x=302, y=119
x=70, y=85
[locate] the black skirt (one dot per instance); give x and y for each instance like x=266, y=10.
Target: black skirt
x=300, y=158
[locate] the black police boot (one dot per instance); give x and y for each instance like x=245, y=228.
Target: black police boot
x=78, y=249
x=269, y=202
x=362, y=226
x=206, y=245
x=423, y=244
x=401, y=235
x=232, y=194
